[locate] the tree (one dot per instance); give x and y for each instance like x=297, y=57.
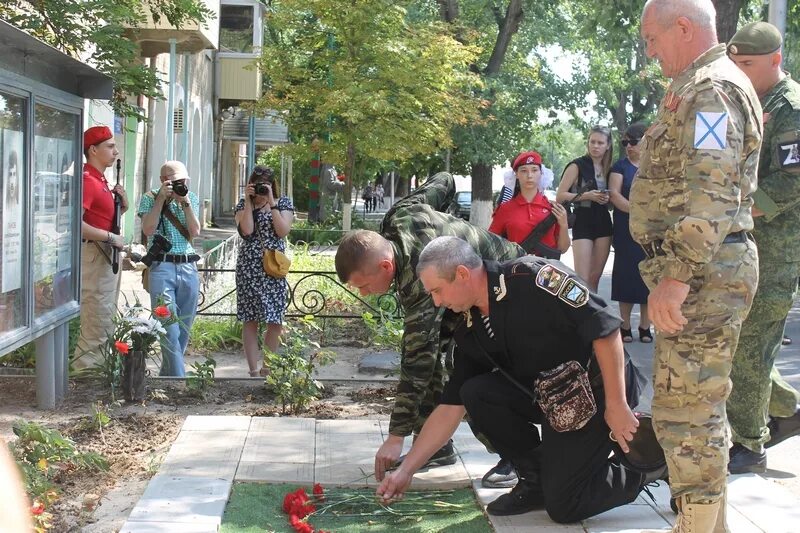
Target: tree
x=97, y=29
x=728, y=12
x=365, y=80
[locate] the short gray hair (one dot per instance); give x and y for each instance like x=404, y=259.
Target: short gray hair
x=446, y=254
x=701, y=12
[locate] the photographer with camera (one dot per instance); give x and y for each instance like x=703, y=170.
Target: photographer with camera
x=263, y=218
x=169, y=219
x=99, y=283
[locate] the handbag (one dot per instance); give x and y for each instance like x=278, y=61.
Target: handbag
x=274, y=262
x=565, y=396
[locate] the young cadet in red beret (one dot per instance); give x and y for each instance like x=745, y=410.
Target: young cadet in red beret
x=529, y=209
x=99, y=284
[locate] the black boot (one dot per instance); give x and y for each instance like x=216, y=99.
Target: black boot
x=781, y=429
x=743, y=461
x=526, y=496
x=501, y=476
x=446, y=455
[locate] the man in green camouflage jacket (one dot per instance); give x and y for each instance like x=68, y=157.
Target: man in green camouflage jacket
x=758, y=389
x=690, y=209
x=371, y=261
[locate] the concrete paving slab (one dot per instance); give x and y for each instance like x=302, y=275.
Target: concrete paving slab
x=382, y=363
x=278, y=448
x=766, y=504
x=622, y=518
x=211, y=454
x=525, y=523
x=166, y=527
x=345, y=475
x=281, y=425
x=348, y=426
x=216, y=423
x=275, y=472
x=193, y=500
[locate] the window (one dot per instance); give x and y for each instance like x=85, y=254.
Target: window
x=236, y=28
x=13, y=311
x=53, y=199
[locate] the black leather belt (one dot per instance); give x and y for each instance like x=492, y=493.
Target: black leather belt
x=174, y=258
x=653, y=248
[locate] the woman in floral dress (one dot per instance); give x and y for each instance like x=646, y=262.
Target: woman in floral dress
x=263, y=223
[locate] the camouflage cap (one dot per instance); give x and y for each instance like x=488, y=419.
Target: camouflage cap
x=755, y=39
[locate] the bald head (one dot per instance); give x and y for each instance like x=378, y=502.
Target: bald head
x=700, y=12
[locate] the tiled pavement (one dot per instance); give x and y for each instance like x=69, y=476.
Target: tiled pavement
x=191, y=489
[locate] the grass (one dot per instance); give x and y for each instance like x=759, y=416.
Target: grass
x=256, y=507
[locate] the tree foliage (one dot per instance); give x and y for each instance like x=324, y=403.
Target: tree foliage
x=366, y=80
x=98, y=28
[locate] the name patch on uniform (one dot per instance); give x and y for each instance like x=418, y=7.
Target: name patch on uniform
x=550, y=279
x=574, y=293
x=789, y=154
x=710, y=130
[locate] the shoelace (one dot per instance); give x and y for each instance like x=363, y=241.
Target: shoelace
x=646, y=490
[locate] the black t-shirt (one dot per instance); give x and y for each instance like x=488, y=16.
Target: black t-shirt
x=541, y=314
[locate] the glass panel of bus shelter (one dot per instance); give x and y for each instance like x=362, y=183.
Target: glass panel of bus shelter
x=13, y=307
x=54, y=170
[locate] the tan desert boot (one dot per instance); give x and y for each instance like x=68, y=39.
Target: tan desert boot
x=698, y=518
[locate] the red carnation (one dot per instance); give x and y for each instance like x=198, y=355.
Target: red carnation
x=162, y=311
x=122, y=347
x=319, y=492
x=300, y=526
x=37, y=508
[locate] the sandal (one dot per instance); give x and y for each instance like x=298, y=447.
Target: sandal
x=254, y=373
x=627, y=335
x=264, y=372
x=645, y=336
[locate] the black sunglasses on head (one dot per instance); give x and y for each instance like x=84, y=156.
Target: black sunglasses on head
x=263, y=171
x=632, y=142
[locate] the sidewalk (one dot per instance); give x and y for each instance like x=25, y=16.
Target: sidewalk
x=192, y=487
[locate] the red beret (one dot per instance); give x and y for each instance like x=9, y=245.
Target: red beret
x=96, y=135
x=527, y=158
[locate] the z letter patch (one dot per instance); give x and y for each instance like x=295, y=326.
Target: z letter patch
x=574, y=293
x=710, y=130
x=550, y=279
x=789, y=155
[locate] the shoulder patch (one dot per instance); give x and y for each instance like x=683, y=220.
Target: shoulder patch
x=550, y=279
x=574, y=293
x=788, y=147
x=710, y=130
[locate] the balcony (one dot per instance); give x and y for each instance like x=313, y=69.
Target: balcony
x=153, y=37
x=238, y=78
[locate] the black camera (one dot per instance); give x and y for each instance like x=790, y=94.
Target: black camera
x=262, y=188
x=159, y=247
x=179, y=187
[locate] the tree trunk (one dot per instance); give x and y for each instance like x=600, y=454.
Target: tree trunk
x=347, y=207
x=481, y=210
x=507, y=29
x=448, y=10
x=727, y=18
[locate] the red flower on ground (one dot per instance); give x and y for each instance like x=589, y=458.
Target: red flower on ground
x=162, y=311
x=122, y=347
x=300, y=526
x=319, y=492
x=37, y=508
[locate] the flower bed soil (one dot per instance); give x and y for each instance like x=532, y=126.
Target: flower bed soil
x=138, y=437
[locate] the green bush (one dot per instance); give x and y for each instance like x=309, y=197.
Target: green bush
x=214, y=334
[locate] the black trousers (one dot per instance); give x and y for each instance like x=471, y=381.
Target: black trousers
x=576, y=475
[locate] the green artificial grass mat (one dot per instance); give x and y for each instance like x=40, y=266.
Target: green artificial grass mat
x=256, y=507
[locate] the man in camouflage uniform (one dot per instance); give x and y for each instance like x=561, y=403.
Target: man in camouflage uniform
x=371, y=261
x=690, y=209
x=756, y=49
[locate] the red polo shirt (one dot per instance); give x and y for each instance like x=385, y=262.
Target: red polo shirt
x=98, y=200
x=516, y=219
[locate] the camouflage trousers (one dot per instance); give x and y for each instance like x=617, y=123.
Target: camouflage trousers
x=758, y=388
x=692, y=371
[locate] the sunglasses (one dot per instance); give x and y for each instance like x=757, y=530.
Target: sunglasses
x=632, y=142
x=261, y=171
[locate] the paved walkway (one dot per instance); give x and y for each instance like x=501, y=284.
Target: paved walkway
x=191, y=489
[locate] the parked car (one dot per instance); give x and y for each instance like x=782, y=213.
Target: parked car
x=464, y=200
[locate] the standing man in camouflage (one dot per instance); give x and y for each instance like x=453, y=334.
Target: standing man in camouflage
x=371, y=261
x=757, y=395
x=690, y=209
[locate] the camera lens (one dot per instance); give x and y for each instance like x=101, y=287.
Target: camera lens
x=262, y=188
x=180, y=188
